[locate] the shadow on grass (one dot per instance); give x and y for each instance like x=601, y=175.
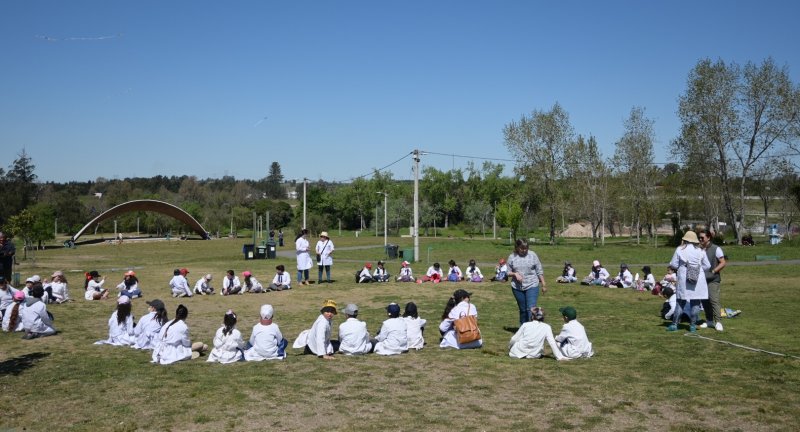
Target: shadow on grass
x=511, y=329
x=17, y=365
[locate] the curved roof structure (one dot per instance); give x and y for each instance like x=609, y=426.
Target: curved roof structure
x=146, y=205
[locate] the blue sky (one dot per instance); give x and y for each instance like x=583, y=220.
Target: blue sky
x=118, y=89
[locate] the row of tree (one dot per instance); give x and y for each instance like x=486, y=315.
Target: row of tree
x=739, y=129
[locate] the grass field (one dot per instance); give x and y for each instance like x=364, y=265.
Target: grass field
x=640, y=378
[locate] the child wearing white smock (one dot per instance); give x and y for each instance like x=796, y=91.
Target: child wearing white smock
x=120, y=325
x=228, y=343
x=528, y=341
x=393, y=337
x=15, y=311
x=174, y=342
x=447, y=327
x=149, y=326
x=35, y=319
x=266, y=341
x=415, y=327
x=573, y=341
x=353, y=334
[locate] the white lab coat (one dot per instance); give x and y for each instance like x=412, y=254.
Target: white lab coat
x=227, y=348
x=319, y=337
x=393, y=337
x=354, y=337
x=528, y=341
x=119, y=334
x=264, y=343
x=688, y=254
x=449, y=339
x=573, y=341
x=174, y=343
x=414, y=327
x=36, y=320
x=146, y=332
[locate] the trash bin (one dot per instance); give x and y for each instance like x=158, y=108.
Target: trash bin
x=391, y=251
x=408, y=254
x=249, y=251
x=271, y=250
x=261, y=251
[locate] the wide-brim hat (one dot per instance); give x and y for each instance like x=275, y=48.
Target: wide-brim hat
x=329, y=306
x=324, y=234
x=690, y=237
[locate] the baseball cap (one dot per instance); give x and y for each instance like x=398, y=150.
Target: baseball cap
x=19, y=296
x=368, y=265
x=123, y=299
x=184, y=271
x=460, y=294
x=267, y=311
x=246, y=274
x=156, y=304
x=351, y=309
x=569, y=312
x=393, y=309
x=34, y=279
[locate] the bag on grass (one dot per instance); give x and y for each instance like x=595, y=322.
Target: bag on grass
x=467, y=329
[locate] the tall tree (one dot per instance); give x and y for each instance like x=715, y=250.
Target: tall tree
x=589, y=181
x=19, y=186
x=539, y=143
x=634, y=162
x=274, y=184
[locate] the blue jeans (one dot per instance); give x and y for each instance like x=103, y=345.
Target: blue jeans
x=689, y=307
x=300, y=274
x=525, y=301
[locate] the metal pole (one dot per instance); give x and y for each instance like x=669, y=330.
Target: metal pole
x=254, y=230
x=376, y=221
x=305, y=180
x=385, y=226
x=268, y=226
x=415, y=234
x=55, y=230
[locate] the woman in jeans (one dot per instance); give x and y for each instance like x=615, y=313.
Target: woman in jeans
x=527, y=275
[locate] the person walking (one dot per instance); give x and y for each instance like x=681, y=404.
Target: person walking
x=527, y=276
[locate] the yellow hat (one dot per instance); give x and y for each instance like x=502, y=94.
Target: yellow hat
x=329, y=304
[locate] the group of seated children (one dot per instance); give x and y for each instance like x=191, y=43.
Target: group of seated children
x=571, y=343
x=170, y=341
x=22, y=311
x=396, y=336
x=434, y=274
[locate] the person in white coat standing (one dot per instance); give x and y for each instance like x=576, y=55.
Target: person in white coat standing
x=228, y=343
x=324, y=251
x=393, y=337
x=528, y=341
x=692, y=262
x=304, y=263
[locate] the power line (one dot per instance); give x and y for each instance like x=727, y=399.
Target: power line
x=467, y=157
x=380, y=169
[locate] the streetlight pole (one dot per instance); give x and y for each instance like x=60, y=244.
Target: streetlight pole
x=385, y=226
x=305, y=181
x=415, y=234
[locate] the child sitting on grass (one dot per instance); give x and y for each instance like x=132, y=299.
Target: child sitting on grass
x=500, y=271
x=363, y=275
x=282, y=280
x=228, y=343
x=120, y=326
x=670, y=300
x=573, y=341
x=36, y=320
x=528, y=341
x=266, y=341
x=406, y=275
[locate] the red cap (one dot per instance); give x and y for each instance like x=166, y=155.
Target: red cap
x=184, y=271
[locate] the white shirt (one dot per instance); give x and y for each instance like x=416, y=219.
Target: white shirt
x=405, y=272
x=672, y=301
x=264, y=343
x=119, y=334
x=324, y=249
x=354, y=337
x=227, y=347
x=146, y=332
x=201, y=286
x=449, y=339
x=7, y=297
x=231, y=283
x=432, y=270
x=472, y=273
x=393, y=337
x=174, y=343
x=626, y=278
x=528, y=341
x=36, y=320
x=93, y=287
x=414, y=328
x=282, y=279
x=7, y=318
x=689, y=254
x=573, y=341
x=457, y=271
x=303, y=257
x=255, y=285
x=180, y=285
x=364, y=275
x=319, y=337
x=60, y=291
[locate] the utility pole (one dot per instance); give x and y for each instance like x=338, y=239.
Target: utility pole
x=385, y=226
x=415, y=234
x=305, y=181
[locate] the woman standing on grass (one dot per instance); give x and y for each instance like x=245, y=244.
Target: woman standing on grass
x=527, y=275
x=691, y=262
x=304, y=262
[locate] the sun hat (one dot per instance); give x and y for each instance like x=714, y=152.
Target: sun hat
x=19, y=296
x=267, y=311
x=351, y=309
x=58, y=273
x=123, y=299
x=569, y=312
x=246, y=274
x=156, y=304
x=324, y=234
x=595, y=263
x=690, y=237
x=130, y=273
x=329, y=306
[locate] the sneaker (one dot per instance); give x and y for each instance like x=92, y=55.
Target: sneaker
x=672, y=328
x=174, y=295
x=704, y=325
x=195, y=355
x=718, y=326
x=692, y=328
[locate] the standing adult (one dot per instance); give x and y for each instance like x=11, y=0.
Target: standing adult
x=7, y=251
x=691, y=262
x=303, y=256
x=527, y=275
x=718, y=261
x=280, y=237
x=324, y=251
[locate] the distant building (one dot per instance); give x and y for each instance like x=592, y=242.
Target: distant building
x=291, y=194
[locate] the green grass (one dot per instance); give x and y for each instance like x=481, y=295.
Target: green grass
x=640, y=378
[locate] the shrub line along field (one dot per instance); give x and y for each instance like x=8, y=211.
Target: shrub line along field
x=640, y=377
